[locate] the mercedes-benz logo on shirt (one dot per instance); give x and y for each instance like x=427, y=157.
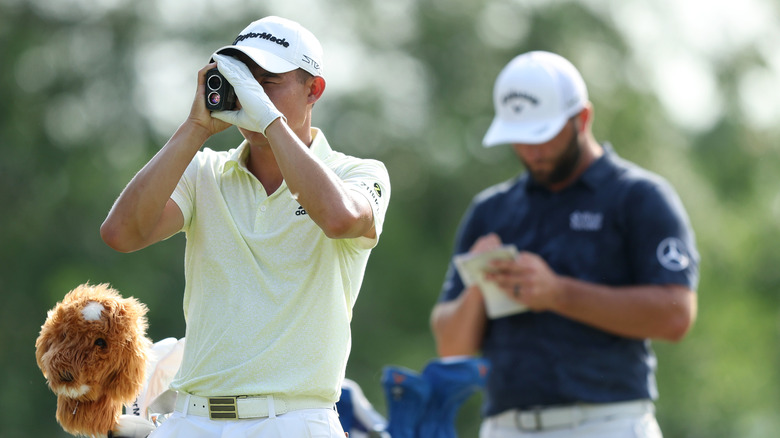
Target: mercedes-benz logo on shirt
x=672, y=254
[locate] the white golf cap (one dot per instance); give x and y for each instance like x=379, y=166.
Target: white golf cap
x=534, y=96
x=279, y=45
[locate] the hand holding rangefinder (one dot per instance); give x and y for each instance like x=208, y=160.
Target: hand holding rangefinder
x=220, y=95
x=257, y=110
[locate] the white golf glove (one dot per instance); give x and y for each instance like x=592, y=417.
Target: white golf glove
x=257, y=111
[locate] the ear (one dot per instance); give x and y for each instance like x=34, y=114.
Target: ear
x=133, y=354
x=316, y=86
x=42, y=345
x=584, y=118
x=127, y=381
x=46, y=338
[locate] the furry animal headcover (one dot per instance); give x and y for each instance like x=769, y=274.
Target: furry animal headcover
x=92, y=350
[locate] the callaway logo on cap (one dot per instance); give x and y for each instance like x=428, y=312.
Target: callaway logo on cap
x=279, y=45
x=534, y=96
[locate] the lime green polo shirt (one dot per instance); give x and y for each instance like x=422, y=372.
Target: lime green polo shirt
x=268, y=297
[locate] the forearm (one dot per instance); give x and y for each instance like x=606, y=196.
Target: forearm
x=459, y=325
x=340, y=212
x=135, y=215
x=653, y=312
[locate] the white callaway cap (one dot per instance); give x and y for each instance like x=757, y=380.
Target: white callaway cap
x=279, y=45
x=534, y=96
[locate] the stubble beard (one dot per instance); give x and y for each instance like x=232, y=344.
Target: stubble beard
x=564, y=166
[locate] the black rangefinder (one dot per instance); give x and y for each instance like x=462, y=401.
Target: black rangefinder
x=220, y=95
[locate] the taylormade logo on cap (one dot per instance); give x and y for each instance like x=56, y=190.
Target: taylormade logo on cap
x=534, y=96
x=265, y=36
x=279, y=45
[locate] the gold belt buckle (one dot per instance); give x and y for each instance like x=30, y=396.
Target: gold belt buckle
x=223, y=408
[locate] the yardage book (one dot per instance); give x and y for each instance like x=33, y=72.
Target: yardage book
x=472, y=267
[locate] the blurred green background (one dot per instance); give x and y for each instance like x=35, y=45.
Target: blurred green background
x=691, y=90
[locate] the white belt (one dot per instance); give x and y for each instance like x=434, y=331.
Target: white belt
x=557, y=417
x=241, y=407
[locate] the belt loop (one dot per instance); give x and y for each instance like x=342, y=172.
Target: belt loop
x=186, y=404
x=271, y=407
x=538, y=419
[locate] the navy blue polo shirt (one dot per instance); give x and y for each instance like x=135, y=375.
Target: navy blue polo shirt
x=618, y=225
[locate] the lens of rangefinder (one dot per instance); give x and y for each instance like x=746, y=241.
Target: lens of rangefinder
x=214, y=82
x=214, y=98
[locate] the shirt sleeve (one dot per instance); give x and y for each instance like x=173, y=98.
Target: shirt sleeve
x=184, y=194
x=663, y=248
x=371, y=180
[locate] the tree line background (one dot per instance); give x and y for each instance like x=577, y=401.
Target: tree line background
x=93, y=88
